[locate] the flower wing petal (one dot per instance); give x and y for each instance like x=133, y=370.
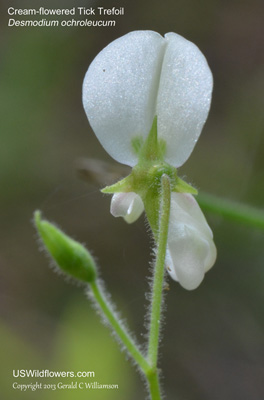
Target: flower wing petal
x=185, y=206
x=184, y=97
x=127, y=205
x=188, y=252
x=191, y=251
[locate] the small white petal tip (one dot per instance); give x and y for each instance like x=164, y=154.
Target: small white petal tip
x=127, y=205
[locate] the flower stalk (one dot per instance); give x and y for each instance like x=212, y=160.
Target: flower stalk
x=157, y=289
x=120, y=331
x=156, y=301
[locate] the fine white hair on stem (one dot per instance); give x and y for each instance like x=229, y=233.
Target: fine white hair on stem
x=149, y=294
x=148, y=297
x=117, y=315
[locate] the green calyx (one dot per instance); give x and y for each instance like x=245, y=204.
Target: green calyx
x=145, y=178
x=69, y=255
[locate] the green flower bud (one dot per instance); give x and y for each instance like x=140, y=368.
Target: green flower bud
x=69, y=255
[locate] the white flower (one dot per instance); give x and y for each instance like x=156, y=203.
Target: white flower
x=135, y=78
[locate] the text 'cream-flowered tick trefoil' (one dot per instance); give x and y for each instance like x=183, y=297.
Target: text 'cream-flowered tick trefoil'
x=147, y=98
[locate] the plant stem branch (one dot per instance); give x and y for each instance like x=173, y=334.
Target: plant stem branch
x=232, y=211
x=118, y=328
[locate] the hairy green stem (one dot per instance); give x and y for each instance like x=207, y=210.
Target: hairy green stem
x=154, y=388
x=118, y=328
x=156, y=301
x=231, y=210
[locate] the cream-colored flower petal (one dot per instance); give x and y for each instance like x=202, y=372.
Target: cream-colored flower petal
x=188, y=252
x=184, y=97
x=120, y=89
x=127, y=205
x=191, y=251
x=185, y=206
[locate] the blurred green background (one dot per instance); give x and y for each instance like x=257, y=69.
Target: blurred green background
x=213, y=343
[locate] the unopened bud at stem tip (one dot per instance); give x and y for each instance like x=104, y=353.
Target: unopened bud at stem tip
x=70, y=256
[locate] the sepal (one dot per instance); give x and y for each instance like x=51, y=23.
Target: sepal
x=181, y=186
x=123, y=186
x=153, y=149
